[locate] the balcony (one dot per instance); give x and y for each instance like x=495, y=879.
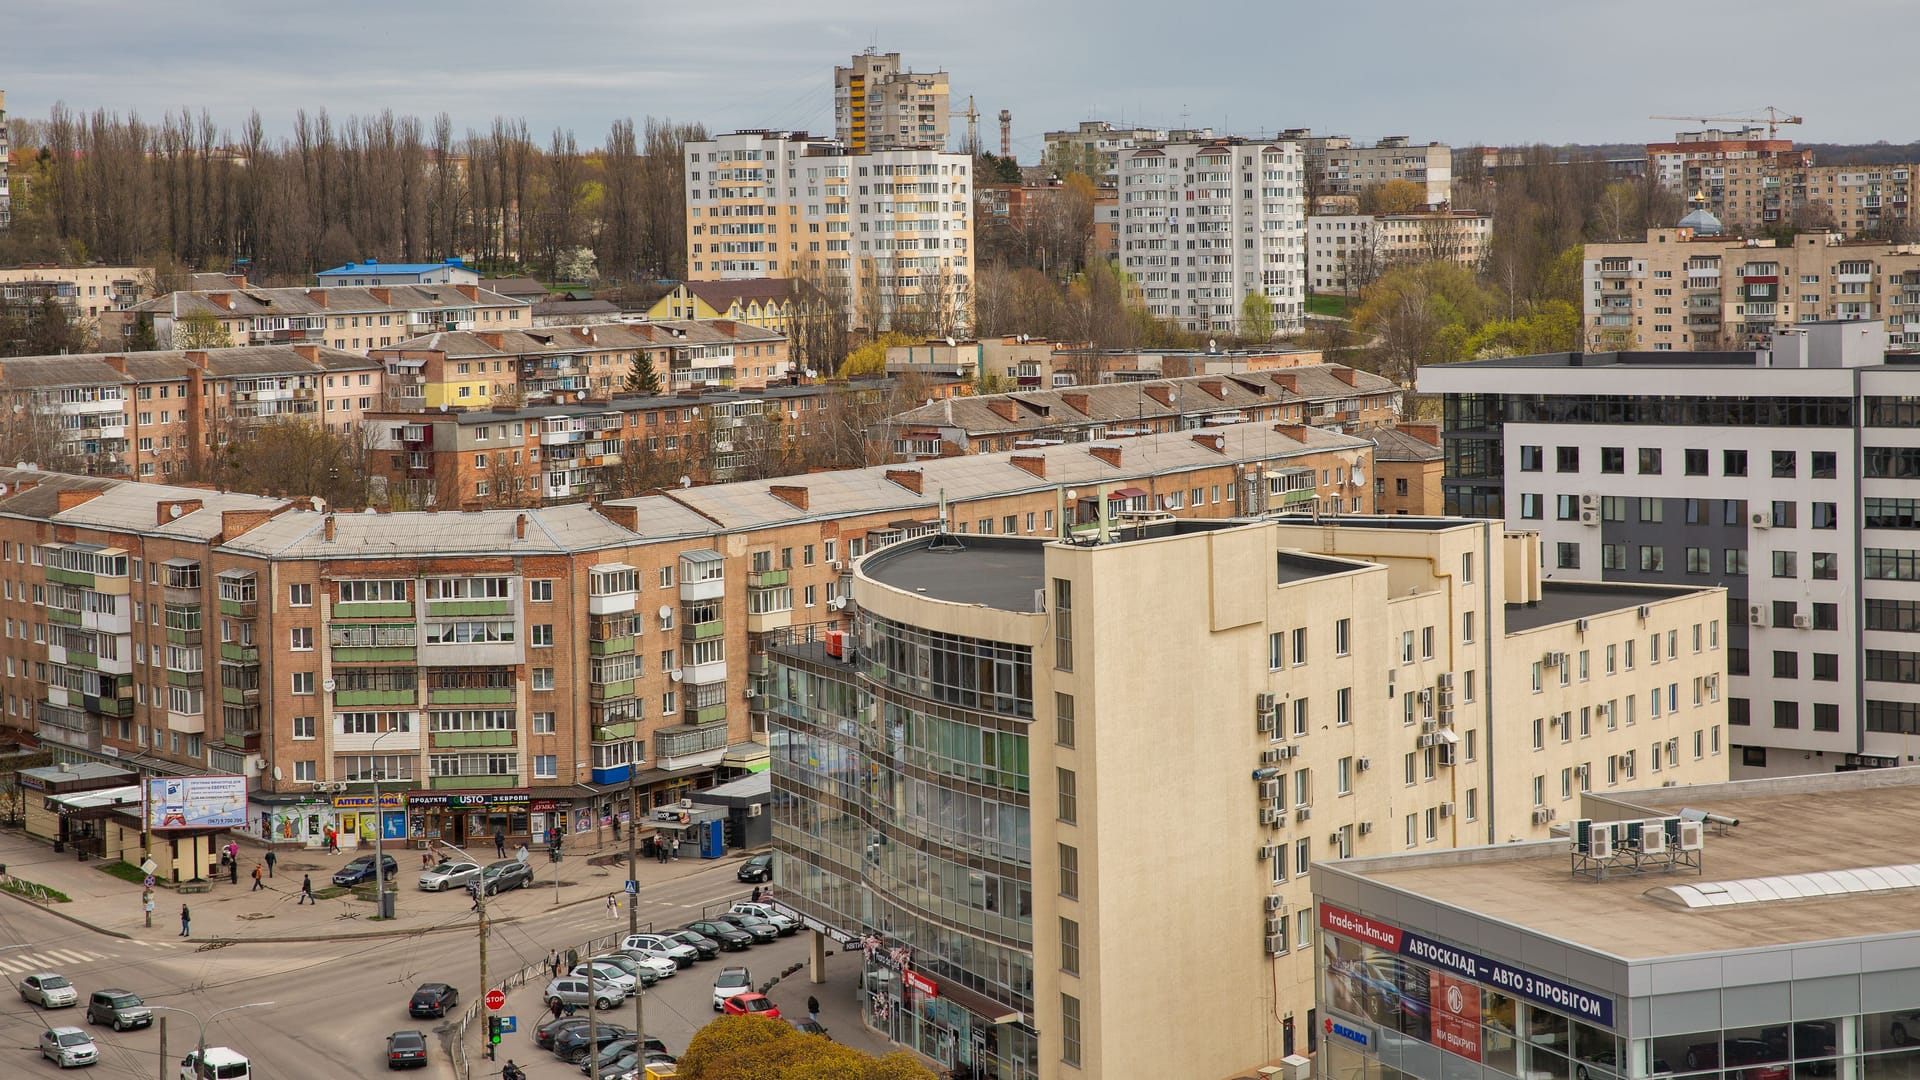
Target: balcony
x=348, y=698
x=472, y=653
x=240, y=609
x=373, y=654
x=240, y=695
x=486, y=606
x=456, y=740
x=471, y=695
x=244, y=741
x=1611, y=269
x=187, y=724
x=767, y=621
x=768, y=579
x=616, y=732
x=702, y=631
x=191, y=679
x=610, y=646
x=373, y=609
x=477, y=781
x=610, y=691
x=235, y=652
x=689, y=745
x=708, y=714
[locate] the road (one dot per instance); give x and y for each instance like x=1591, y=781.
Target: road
x=334, y=1002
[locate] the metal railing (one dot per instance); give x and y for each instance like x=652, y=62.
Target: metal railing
x=593, y=946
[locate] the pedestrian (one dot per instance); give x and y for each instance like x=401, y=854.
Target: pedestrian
x=306, y=890
x=426, y=860
x=185, y=921
x=499, y=844
x=573, y=959
x=271, y=859
x=233, y=871
x=813, y=1008
x=473, y=890
x=676, y=847
x=555, y=1004
x=616, y=829
x=257, y=875
x=613, y=904
x=756, y=894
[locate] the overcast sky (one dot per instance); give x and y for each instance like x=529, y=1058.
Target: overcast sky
x=1470, y=71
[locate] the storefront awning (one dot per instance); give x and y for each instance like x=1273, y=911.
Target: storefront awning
x=1447, y=736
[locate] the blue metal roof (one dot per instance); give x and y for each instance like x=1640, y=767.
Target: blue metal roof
x=389, y=268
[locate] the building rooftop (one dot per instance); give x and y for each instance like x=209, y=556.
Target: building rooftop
x=238, y=301
x=1393, y=444
x=561, y=340
x=1565, y=601
x=549, y=530
x=1811, y=824
x=990, y=571
x=375, y=266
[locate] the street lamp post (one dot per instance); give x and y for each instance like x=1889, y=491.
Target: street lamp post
x=200, y=1051
x=479, y=905
x=379, y=833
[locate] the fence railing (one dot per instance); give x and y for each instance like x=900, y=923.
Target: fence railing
x=463, y=1068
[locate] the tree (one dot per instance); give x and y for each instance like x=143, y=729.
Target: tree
x=748, y=1048
x=994, y=169
x=1256, y=316
x=643, y=379
x=575, y=264
x=871, y=359
x=1421, y=315
x=200, y=330
x=1393, y=197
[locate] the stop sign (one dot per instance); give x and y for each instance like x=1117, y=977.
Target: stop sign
x=496, y=1000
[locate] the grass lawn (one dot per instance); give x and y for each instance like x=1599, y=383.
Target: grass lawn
x=1340, y=307
x=126, y=871
x=23, y=887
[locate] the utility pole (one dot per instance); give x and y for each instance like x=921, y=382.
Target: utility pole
x=479, y=905
x=163, y=1049
x=633, y=906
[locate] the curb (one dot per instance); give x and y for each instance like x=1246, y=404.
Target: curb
x=75, y=920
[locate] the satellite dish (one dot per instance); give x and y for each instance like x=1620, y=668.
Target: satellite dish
x=1212, y=345
x=686, y=481
x=174, y=510
x=277, y=774
x=579, y=395
x=443, y=406
x=950, y=341
x=666, y=611
x=3, y=489
x=676, y=674
x=1072, y=495
x=328, y=685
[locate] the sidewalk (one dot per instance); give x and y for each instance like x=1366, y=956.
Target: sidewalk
x=237, y=912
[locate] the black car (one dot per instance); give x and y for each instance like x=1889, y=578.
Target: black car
x=545, y=1034
x=811, y=1027
x=758, y=868
x=505, y=875
x=730, y=937
x=361, y=869
x=762, y=930
x=572, y=1045
x=702, y=944
x=622, y=1047
x=406, y=1050
x=432, y=1000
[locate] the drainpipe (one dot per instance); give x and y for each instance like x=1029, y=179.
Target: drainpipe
x=1486, y=653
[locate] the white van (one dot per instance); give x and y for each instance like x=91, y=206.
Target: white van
x=222, y=1063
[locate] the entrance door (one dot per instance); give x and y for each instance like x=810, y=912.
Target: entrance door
x=458, y=822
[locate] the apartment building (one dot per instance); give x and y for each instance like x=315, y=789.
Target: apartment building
x=878, y=232
x=1408, y=469
x=1342, y=167
x=450, y=271
x=483, y=369
x=1234, y=242
x=349, y=317
x=1347, y=252
x=1324, y=395
x=1679, y=290
x=879, y=106
x=155, y=415
x=1727, y=172
x=773, y=303
x=85, y=291
x=6, y=155
x=1794, y=494
x=1096, y=147
x=981, y=832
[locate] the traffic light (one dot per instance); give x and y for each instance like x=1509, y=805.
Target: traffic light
x=493, y=1031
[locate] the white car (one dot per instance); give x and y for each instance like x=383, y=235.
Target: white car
x=733, y=980
x=681, y=953
x=606, y=975
x=68, y=1046
x=49, y=991
x=449, y=875
x=782, y=923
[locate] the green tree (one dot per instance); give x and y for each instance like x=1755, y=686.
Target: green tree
x=643, y=379
x=1256, y=316
x=749, y=1048
x=871, y=359
x=140, y=338
x=200, y=330
x=1421, y=314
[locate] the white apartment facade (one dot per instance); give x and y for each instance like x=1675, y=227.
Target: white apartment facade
x=1798, y=495
x=879, y=229
x=1204, y=224
x=1347, y=252
x=6, y=151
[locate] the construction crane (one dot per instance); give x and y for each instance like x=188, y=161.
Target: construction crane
x=973, y=127
x=1774, y=119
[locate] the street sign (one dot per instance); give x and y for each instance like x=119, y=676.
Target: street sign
x=633, y=887
x=509, y=1025
x=496, y=999
x=149, y=881
x=148, y=866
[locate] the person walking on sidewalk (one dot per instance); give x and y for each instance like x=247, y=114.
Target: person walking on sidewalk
x=185, y=921
x=270, y=861
x=257, y=875
x=499, y=845
x=676, y=847
x=613, y=904
x=233, y=871
x=306, y=890
x=813, y=1008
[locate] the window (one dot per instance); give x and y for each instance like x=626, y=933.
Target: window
x=300, y=594
x=1426, y=643
x=542, y=635
x=540, y=590
x=1276, y=650
x=1786, y=464
x=1343, y=776
x=1695, y=462
x=1063, y=732
x=1343, y=633
x=1784, y=516
x=1653, y=511
x=1733, y=462
x=303, y=682
x=546, y=766
x=1786, y=564
x=1826, y=716
x=1062, y=624
x=1069, y=871
x=1699, y=560
x=543, y=723
x=1299, y=716
x=1566, y=555
x=303, y=727
x=1566, y=459
x=1649, y=461
x=1069, y=946
x=300, y=638
x=1613, y=459
x=303, y=771
x=1613, y=556
x=1466, y=627
x=1531, y=459
x=1734, y=560
x=1826, y=566
x=1653, y=559
x=1531, y=506
x=1786, y=665
x=542, y=678
x=1786, y=714
x=1825, y=465
x=1567, y=508
x=1069, y=796
x=1070, y=1030
x=1826, y=667
x=1826, y=515
x=1342, y=706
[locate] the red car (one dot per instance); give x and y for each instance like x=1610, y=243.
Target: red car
x=751, y=1005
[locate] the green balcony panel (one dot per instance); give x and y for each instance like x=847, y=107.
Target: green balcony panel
x=177, y=636
x=607, y=691
x=373, y=609
x=373, y=697
x=245, y=609
x=63, y=616
x=619, y=646
x=70, y=577
x=242, y=654
x=703, y=631
x=496, y=695
x=344, y=654
x=1296, y=498
x=451, y=740
x=233, y=695
x=767, y=579
x=615, y=732
x=185, y=678
x=469, y=607
x=712, y=714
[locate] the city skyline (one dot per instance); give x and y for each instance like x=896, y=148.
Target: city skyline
x=770, y=67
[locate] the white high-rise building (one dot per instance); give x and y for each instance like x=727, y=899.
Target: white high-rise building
x=6, y=149
x=1204, y=224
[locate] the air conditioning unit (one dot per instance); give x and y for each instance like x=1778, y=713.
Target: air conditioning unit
x=1444, y=753
x=1643, y=611
x=1692, y=835
x=1600, y=841
x=756, y=809
x=1426, y=696
x=1264, y=703
x=1269, y=789
x=1552, y=659
x=1274, y=926
x=1653, y=837
x=1446, y=680
x=1803, y=622
x=1268, y=757
x=1446, y=809
x=1580, y=771
x=1541, y=815
x=1446, y=699
x=1276, y=902
x=1287, y=752
x=1713, y=682
x=1446, y=717
x=1555, y=720
x=1269, y=817
x=1276, y=944
x=1590, y=517
x=1303, y=813
x=1756, y=615
x=1579, y=626
x=1267, y=852
x=1760, y=519
x=833, y=564
x=1363, y=764
x=1263, y=721
x=1589, y=500
x=752, y=693
x=838, y=603
x=1366, y=827
x=1428, y=740
x=1429, y=725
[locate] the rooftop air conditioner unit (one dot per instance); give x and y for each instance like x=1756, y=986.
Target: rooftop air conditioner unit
x=1692, y=835
x=1590, y=517
x=1600, y=841
x=1653, y=837
x=1803, y=622
x=1760, y=519
x=1276, y=902
x=1446, y=809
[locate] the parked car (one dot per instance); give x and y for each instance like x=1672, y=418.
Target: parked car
x=761, y=930
x=49, y=991
x=361, y=869
x=732, y=981
x=1811, y=1039
x=449, y=875
x=432, y=1001
x=573, y=1046
x=730, y=937
x=572, y=990
x=1601, y=1065
x=406, y=1050
x=758, y=868
x=662, y=946
x=505, y=875
x=750, y=1005
x=625, y=1053
x=702, y=944
x=120, y=1009
x=783, y=923
x=662, y=967
x=68, y=1047
x=545, y=1034
x=221, y=1063
x=1764, y=1061
x=811, y=1027
x=644, y=974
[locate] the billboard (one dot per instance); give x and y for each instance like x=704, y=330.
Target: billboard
x=196, y=802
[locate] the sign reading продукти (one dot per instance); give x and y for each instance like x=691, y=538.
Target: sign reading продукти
x=1506, y=978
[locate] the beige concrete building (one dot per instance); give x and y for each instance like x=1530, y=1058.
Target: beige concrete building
x=85, y=291
x=344, y=317
x=879, y=106
x=1341, y=167
x=1074, y=749
x=1347, y=252
x=1096, y=146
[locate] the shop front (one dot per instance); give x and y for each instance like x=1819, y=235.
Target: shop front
x=357, y=819
x=463, y=817
x=298, y=820
x=963, y=1031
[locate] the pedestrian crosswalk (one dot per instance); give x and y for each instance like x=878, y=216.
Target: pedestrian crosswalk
x=16, y=964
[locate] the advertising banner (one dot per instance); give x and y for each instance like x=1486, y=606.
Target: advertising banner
x=1456, y=1015
x=196, y=802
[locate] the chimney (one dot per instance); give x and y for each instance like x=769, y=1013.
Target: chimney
x=493, y=338
x=117, y=363
x=520, y=526
x=1077, y=400
x=906, y=478
x=1033, y=463
x=1161, y=393
x=1286, y=381
x=1342, y=372
x=220, y=300
x=471, y=292
x=1427, y=431
x=1213, y=387
x=385, y=296
x=1108, y=454
x=1213, y=441
x=239, y=280
x=197, y=357
x=309, y=353
x=240, y=522
x=168, y=510
x=627, y=517
x=1296, y=432
x=327, y=529
x=318, y=296
x=791, y=494
x=1004, y=409
x=69, y=498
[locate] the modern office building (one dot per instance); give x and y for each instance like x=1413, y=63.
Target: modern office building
x=1752, y=929
x=1028, y=763
x=1203, y=224
x=879, y=106
x=1786, y=476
